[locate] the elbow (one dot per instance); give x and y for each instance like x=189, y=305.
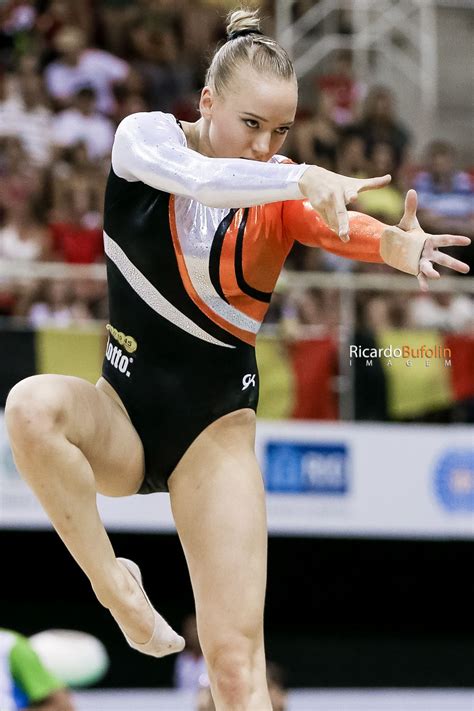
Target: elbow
x=208, y=194
x=208, y=198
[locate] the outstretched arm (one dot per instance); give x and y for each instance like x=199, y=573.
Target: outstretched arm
x=303, y=224
x=151, y=148
x=405, y=247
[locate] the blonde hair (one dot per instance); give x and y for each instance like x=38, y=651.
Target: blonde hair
x=262, y=53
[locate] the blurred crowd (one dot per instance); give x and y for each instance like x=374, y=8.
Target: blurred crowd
x=70, y=72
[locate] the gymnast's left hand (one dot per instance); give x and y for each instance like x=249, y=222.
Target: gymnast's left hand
x=431, y=254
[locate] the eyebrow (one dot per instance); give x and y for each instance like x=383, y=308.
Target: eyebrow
x=260, y=118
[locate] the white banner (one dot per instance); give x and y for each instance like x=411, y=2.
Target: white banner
x=322, y=479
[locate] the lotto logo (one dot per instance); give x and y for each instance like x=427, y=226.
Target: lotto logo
x=118, y=359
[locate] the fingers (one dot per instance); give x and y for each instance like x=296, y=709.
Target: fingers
x=350, y=195
x=445, y=260
x=450, y=240
x=423, y=282
x=342, y=217
x=409, y=220
x=428, y=270
x=373, y=183
x=335, y=214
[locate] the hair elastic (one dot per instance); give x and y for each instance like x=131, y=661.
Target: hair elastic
x=242, y=33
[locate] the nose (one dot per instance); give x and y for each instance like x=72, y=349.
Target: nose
x=261, y=145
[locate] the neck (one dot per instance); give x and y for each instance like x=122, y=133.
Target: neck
x=197, y=136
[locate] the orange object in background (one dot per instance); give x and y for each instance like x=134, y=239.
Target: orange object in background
x=315, y=364
x=462, y=370
x=77, y=244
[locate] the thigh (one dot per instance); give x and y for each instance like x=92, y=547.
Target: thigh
x=92, y=420
x=218, y=503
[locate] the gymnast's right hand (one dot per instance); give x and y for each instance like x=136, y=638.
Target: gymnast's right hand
x=329, y=193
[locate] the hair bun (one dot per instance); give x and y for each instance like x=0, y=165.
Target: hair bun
x=242, y=22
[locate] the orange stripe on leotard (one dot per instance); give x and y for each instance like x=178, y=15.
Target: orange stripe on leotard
x=264, y=252
x=245, y=336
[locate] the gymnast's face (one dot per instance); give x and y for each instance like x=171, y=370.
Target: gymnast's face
x=252, y=118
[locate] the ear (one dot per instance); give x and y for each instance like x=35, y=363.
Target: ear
x=206, y=102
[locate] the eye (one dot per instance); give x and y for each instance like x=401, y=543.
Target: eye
x=251, y=123
x=282, y=130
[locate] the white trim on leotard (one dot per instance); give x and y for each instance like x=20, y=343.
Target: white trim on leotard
x=150, y=294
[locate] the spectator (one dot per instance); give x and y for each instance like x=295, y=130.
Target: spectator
x=17, y=20
x=82, y=123
x=445, y=193
x=190, y=670
x=370, y=386
x=24, y=235
x=317, y=137
x=307, y=308
x=76, y=226
x=380, y=122
x=342, y=90
x=351, y=159
x=129, y=103
x=23, y=232
x=116, y=17
x=157, y=60
x=445, y=312
x=386, y=204
x=25, y=683
x=78, y=186
x=57, y=14
x=28, y=117
x=56, y=306
x=446, y=197
x=78, y=66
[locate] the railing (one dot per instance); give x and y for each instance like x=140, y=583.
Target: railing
x=374, y=24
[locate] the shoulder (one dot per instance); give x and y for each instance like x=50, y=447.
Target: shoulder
x=151, y=125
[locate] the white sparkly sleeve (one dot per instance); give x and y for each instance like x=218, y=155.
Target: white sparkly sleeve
x=151, y=148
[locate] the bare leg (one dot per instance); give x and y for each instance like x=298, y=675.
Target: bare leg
x=218, y=503
x=70, y=440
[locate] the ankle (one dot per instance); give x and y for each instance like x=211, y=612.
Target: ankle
x=115, y=589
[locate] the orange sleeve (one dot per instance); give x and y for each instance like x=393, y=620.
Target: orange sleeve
x=301, y=223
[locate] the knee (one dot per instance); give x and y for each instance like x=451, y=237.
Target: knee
x=33, y=408
x=231, y=669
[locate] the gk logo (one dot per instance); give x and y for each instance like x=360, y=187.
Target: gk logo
x=248, y=380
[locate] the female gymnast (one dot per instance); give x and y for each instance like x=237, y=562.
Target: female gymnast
x=199, y=218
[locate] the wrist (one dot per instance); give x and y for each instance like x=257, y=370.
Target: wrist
x=306, y=182
x=402, y=250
